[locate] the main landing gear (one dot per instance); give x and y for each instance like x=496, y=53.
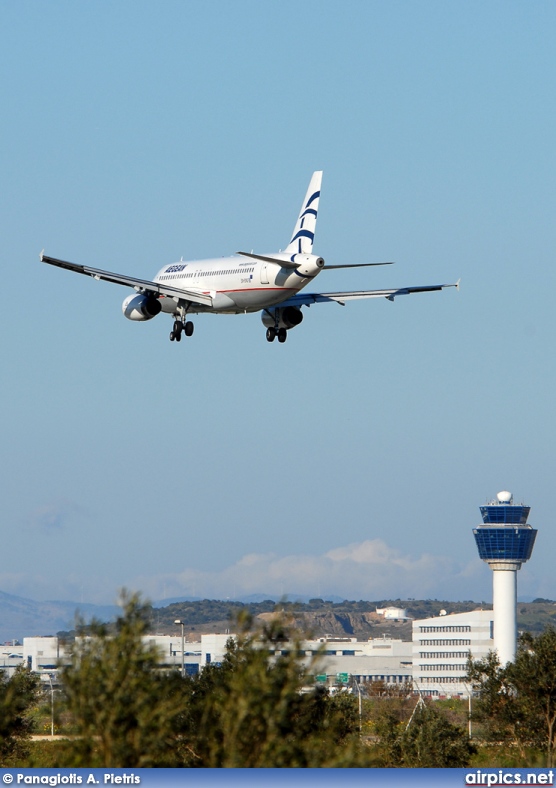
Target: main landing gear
x=272, y=333
x=179, y=327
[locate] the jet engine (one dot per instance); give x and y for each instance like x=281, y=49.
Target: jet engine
x=141, y=307
x=288, y=317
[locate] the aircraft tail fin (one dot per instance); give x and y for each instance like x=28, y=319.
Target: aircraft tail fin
x=304, y=230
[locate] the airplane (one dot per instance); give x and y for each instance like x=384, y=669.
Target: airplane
x=245, y=282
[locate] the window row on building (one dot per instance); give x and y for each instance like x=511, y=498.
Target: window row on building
x=444, y=654
x=436, y=666
x=442, y=679
x=460, y=628
x=447, y=642
x=386, y=679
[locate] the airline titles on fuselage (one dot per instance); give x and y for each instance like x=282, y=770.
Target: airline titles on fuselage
x=177, y=272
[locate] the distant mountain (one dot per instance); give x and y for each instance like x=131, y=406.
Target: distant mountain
x=21, y=617
x=173, y=600
x=303, y=598
x=246, y=599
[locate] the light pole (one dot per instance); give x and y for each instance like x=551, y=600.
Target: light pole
x=359, y=693
x=51, y=705
x=470, y=718
x=469, y=695
x=180, y=622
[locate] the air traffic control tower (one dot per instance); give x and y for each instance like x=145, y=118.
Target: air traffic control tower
x=505, y=541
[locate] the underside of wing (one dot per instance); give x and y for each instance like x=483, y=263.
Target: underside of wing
x=141, y=285
x=306, y=299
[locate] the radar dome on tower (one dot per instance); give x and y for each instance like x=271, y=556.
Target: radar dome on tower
x=504, y=497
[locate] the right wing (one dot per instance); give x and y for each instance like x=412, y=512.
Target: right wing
x=306, y=299
x=141, y=285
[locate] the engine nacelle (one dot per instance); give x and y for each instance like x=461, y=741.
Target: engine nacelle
x=288, y=317
x=141, y=307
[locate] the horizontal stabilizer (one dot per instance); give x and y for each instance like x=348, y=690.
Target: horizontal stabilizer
x=285, y=263
x=355, y=265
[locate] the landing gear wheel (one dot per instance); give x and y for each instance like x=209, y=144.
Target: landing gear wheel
x=282, y=335
x=270, y=334
x=175, y=334
x=188, y=328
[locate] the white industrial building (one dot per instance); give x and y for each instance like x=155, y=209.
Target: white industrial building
x=377, y=659
x=393, y=613
x=435, y=662
x=380, y=659
x=442, y=645
x=44, y=655
x=11, y=656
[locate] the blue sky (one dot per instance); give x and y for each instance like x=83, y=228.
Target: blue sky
x=352, y=460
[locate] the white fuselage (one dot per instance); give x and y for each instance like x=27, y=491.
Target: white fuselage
x=234, y=283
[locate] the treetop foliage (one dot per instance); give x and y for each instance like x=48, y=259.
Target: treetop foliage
x=17, y=694
x=517, y=702
x=255, y=709
x=428, y=740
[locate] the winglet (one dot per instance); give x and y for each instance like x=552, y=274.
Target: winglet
x=457, y=284
x=41, y=256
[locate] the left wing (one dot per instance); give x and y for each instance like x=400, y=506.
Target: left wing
x=141, y=285
x=306, y=299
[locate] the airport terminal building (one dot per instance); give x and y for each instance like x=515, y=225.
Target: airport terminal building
x=433, y=663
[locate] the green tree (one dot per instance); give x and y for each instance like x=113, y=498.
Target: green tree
x=260, y=709
x=17, y=695
x=428, y=739
x=496, y=708
x=533, y=677
x=518, y=701
x=123, y=708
